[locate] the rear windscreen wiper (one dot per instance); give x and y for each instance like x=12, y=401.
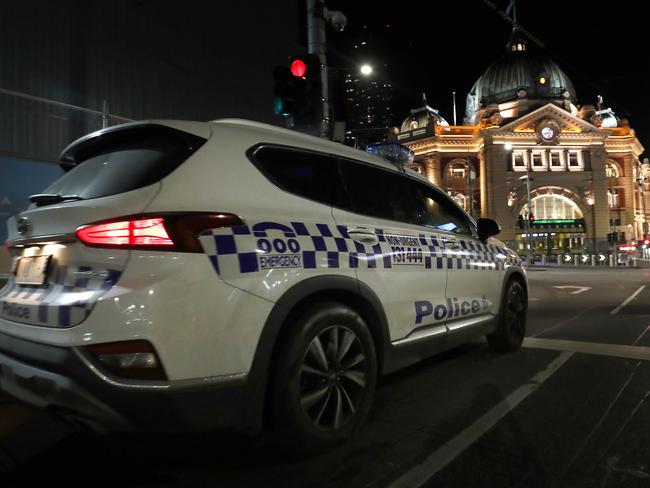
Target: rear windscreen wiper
x=47, y=198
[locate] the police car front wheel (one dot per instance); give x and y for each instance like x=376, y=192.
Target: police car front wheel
x=326, y=374
x=512, y=324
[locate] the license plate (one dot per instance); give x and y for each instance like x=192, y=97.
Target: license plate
x=32, y=270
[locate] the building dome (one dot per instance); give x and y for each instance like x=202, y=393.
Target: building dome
x=519, y=74
x=422, y=117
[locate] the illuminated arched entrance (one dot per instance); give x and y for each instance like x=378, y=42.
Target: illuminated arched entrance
x=558, y=223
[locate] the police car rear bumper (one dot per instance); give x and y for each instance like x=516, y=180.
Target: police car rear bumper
x=60, y=379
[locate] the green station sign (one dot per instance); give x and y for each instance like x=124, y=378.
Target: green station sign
x=555, y=221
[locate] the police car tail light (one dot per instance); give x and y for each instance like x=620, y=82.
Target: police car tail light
x=170, y=231
x=129, y=359
x=141, y=232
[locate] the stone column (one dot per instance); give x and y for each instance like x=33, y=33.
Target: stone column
x=484, y=192
x=432, y=170
x=631, y=200
x=600, y=220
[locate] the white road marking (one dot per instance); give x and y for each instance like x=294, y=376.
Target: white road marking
x=628, y=300
x=641, y=336
x=436, y=461
x=601, y=349
x=579, y=289
x=564, y=322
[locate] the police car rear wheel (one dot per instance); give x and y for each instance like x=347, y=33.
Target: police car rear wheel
x=326, y=375
x=512, y=325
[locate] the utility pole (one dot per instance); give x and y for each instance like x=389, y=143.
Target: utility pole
x=470, y=192
x=528, y=229
x=316, y=42
x=317, y=17
x=453, y=95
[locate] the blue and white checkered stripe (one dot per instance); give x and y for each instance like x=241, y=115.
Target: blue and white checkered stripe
x=66, y=300
x=236, y=250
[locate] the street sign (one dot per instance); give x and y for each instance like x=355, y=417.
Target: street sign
x=584, y=258
x=567, y=258
x=602, y=257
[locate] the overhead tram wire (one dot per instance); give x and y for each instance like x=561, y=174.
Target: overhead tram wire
x=586, y=79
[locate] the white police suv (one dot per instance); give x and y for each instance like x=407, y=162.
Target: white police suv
x=190, y=275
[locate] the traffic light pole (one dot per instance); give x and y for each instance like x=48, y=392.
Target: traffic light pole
x=530, y=237
x=316, y=42
x=528, y=229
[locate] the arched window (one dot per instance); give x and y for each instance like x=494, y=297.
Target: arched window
x=611, y=170
x=552, y=206
x=457, y=170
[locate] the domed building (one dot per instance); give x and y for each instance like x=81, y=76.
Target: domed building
x=423, y=117
x=525, y=136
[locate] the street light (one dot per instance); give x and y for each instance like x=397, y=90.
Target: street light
x=528, y=235
x=366, y=70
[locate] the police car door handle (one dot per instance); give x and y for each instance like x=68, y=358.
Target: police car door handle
x=363, y=236
x=451, y=244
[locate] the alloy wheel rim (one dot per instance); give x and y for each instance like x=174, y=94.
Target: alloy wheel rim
x=515, y=312
x=332, y=378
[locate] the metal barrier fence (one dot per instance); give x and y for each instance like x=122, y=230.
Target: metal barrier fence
x=39, y=128
x=585, y=260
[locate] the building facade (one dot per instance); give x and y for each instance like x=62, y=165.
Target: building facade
x=368, y=108
x=524, y=139
x=367, y=99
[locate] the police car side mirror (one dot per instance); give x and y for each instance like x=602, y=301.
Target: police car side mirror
x=487, y=228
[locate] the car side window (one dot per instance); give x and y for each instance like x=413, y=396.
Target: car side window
x=384, y=194
x=443, y=213
x=307, y=174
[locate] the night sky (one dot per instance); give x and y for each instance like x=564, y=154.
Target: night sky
x=222, y=54
x=440, y=47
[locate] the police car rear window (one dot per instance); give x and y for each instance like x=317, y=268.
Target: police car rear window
x=308, y=174
x=124, y=160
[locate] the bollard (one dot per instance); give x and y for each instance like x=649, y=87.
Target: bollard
x=576, y=259
x=543, y=259
x=593, y=260
x=611, y=261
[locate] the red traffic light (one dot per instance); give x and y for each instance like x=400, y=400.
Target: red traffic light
x=531, y=218
x=298, y=68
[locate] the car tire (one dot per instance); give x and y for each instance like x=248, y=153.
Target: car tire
x=512, y=319
x=325, y=376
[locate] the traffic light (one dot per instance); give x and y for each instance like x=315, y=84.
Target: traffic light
x=531, y=217
x=283, y=89
x=306, y=70
x=297, y=89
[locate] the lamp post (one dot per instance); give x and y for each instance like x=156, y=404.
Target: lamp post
x=528, y=234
